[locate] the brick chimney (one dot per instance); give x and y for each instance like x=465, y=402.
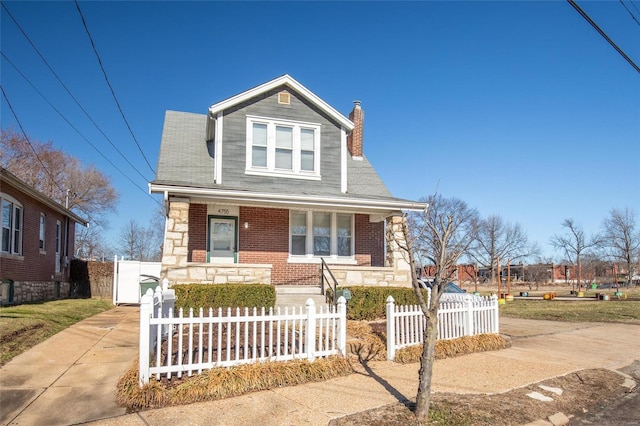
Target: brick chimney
x=354, y=140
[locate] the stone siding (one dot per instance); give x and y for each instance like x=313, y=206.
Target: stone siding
x=36, y=291
x=371, y=276
x=211, y=273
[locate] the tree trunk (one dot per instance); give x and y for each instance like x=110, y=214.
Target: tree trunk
x=426, y=367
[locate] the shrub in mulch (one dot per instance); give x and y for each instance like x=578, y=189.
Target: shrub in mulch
x=368, y=342
x=455, y=347
x=221, y=382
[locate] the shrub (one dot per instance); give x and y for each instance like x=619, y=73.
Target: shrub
x=455, y=347
x=224, y=295
x=221, y=382
x=369, y=303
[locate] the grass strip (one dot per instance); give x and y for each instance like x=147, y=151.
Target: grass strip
x=24, y=326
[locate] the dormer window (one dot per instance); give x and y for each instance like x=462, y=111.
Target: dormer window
x=283, y=148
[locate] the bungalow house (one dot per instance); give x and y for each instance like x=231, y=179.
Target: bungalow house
x=269, y=183
x=37, y=242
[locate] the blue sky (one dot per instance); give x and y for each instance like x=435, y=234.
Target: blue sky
x=519, y=108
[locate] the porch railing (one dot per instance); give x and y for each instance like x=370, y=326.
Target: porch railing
x=330, y=281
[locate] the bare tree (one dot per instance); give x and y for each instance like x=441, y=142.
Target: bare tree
x=621, y=239
x=90, y=243
x=538, y=274
x=61, y=177
x=441, y=234
x=574, y=244
x=500, y=240
x=137, y=242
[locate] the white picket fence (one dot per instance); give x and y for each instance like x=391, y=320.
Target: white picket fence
x=458, y=316
x=226, y=337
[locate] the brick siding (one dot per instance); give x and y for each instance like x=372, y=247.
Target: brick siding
x=197, y=233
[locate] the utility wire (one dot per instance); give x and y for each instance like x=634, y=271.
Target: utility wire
x=69, y=92
x=602, y=33
x=627, y=9
x=74, y=127
x=24, y=134
x=634, y=6
x=93, y=46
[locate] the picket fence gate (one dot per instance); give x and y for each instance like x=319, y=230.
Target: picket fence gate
x=458, y=316
x=226, y=337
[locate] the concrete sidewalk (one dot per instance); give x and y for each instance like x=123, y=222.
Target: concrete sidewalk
x=71, y=377
x=82, y=390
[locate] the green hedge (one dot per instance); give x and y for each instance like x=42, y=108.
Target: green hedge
x=370, y=303
x=224, y=295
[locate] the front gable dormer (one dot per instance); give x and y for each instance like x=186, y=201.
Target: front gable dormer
x=282, y=131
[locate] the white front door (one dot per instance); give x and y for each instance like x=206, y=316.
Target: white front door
x=222, y=240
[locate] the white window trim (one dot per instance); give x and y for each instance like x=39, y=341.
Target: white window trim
x=270, y=170
x=333, y=256
x=14, y=204
x=218, y=149
x=42, y=229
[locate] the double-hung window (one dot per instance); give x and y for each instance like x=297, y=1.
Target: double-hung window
x=11, y=225
x=283, y=148
x=321, y=234
x=41, y=231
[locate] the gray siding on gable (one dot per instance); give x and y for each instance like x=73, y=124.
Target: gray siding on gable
x=235, y=144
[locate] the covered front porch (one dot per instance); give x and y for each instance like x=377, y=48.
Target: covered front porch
x=213, y=241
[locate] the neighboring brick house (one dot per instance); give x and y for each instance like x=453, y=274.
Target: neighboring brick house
x=269, y=182
x=37, y=243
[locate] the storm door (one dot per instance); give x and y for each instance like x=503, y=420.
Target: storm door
x=222, y=241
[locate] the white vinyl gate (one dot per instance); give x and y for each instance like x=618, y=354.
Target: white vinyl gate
x=127, y=275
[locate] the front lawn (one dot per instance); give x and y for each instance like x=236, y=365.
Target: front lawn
x=24, y=326
x=625, y=311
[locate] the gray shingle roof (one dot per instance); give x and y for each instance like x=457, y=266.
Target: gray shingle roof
x=185, y=160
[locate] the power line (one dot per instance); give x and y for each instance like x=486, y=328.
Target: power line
x=93, y=46
x=602, y=33
x=69, y=92
x=74, y=127
x=634, y=6
x=627, y=9
x=24, y=134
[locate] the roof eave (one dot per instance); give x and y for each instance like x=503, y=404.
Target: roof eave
x=292, y=83
x=287, y=199
x=22, y=186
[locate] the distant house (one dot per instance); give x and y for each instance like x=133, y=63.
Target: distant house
x=37, y=242
x=268, y=183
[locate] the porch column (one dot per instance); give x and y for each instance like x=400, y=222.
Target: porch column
x=396, y=257
x=176, y=240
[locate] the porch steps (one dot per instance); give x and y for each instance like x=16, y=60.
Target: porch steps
x=297, y=295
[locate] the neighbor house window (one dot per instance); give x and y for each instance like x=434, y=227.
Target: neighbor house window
x=11, y=225
x=42, y=230
x=320, y=234
x=283, y=148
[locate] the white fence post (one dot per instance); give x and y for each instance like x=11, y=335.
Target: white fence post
x=468, y=323
x=342, y=325
x=310, y=341
x=496, y=314
x=391, y=333
x=115, y=280
x=146, y=312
